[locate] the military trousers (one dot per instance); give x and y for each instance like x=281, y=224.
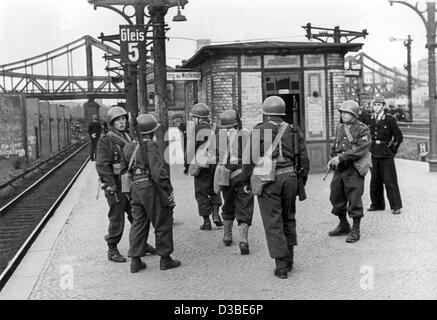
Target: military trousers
x=277, y=205
x=93, y=148
x=204, y=191
x=384, y=174
x=347, y=187
x=238, y=204
x=146, y=206
x=117, y=209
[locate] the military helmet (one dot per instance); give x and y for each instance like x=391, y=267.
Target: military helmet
x=229, y=119
x=351, y=107
x=200, y=110
x=147, y=123
x=274, y=106
x=115, y=112
x=378, y=99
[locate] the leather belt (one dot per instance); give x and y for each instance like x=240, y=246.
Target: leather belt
x=380, y=141
x=235, y=173
x=141, y=177
x=285, y=170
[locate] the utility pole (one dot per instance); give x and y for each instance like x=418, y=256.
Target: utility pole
x=430, y=25
x=407, y=43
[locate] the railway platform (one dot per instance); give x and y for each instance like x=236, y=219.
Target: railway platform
x=395, y=258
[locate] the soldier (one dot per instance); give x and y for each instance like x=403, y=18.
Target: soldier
x=277, y=200
x=149, y=177
x=238, y=199
x=94, y=131
x=386, y=139
x=207, y=200
x=108, y=165
x=347, y=186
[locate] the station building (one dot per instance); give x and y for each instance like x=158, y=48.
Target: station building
x=240, y=76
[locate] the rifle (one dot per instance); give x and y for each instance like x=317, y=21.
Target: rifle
x=300, y=179
x=163, y=195
x=327, y=172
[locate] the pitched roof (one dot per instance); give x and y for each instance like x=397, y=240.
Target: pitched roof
x=269, y=47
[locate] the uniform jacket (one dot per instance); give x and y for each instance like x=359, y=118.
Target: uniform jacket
x=350, y=151
x=386, y=136
x=95, y=127
x=204, y=128
x=109, y=151
x=287, y=142
x=153, y=165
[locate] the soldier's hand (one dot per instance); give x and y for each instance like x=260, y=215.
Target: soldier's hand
x=112, y=188
x=171, y=199
x=333, y=163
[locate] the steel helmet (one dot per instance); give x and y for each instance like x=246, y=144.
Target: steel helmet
x=274, y=106
x=115, y=112
x=378, y=99
x=200, y=110
x=351, y=107
x=147, y=123
x=229, y=119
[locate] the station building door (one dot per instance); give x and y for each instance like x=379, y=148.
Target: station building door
x=286, y=85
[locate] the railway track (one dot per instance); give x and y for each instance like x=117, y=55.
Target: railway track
x=23, y=217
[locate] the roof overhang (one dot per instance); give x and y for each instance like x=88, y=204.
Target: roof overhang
x=268, y=48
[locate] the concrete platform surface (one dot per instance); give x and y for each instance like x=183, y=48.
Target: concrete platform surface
x=396, y=257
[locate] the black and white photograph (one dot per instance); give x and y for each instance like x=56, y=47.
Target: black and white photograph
x=218, y=155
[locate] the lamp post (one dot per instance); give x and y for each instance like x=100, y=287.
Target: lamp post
x=157, y=11
x=430, y=25
x=407, y=44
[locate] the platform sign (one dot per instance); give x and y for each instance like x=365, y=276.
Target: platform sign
x=132, y=42
x=352, y=72
x=183, y=75
x=422, y=149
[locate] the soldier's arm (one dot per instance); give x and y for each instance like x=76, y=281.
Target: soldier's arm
x=104, y=162
x=359, y=147
x=303, y=154
x=157, y=168
x=126, y=156
x=397, y=134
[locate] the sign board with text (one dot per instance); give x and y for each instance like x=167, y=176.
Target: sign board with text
x=352, y=72
x=183, y=75
x=132, y=43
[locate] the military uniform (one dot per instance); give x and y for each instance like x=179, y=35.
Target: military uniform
x=347, y=185
x=108, y=165
x=204, y=182
x=277, y=202
x=94, y=128
x=238, y=201
x=386, y=139
x=146, y=201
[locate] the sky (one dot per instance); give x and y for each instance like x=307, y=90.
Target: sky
x=31, y=27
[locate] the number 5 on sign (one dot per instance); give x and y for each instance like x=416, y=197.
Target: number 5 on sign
x=133, y=53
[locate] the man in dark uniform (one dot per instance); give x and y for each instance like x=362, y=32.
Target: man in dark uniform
x=352, y=142
x=108, y=165
x=94, y=131
x=277, y=202
x=149, y=176
x=238, y=199
x=208, y=201
x=183, y=130
x=386, y=139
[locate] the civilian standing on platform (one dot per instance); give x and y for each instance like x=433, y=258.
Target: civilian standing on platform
x=94, y=131
x=386, y=139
